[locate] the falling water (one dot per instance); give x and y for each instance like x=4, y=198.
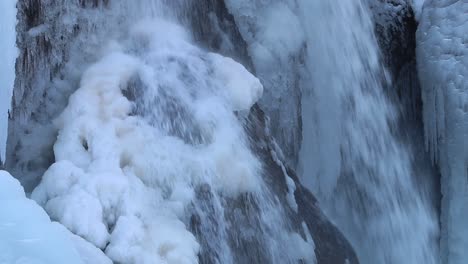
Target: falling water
x=360, y=172
x=152, y=164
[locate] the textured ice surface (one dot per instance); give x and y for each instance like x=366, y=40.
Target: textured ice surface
x=442, y=54
x=27, y=235
x=7, y=67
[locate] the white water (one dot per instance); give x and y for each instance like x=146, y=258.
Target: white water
x=7, y=67
x=350, y=159
x=151, y=124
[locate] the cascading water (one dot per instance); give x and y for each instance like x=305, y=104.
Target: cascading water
x=349, y=157
x=152, y=164
x=160, y=157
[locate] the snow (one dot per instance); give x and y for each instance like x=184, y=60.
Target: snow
x=27, y=234
x=7, y=66
x=126, y=165
x=443, y=66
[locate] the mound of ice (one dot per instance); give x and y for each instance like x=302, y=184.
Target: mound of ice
x=442, y=55
x=153, y=119
x=27, y=234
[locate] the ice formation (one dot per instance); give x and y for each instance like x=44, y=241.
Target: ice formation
x=442, y=57
x=7, y=67
x=27, y=234
x=152, y=119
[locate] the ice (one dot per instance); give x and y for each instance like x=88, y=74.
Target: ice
x=442, y=57
x=123, y=175
x=7, y=67
x=89, y=254
x=27, y=234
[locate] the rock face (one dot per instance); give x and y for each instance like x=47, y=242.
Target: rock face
x=49, y=36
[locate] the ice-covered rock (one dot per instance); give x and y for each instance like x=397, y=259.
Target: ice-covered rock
x=442, y=55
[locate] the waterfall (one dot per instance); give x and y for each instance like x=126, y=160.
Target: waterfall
x=350, y=156
x=168, y=131
x=152, y=163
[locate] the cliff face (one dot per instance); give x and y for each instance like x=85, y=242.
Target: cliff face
x=57, y=41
